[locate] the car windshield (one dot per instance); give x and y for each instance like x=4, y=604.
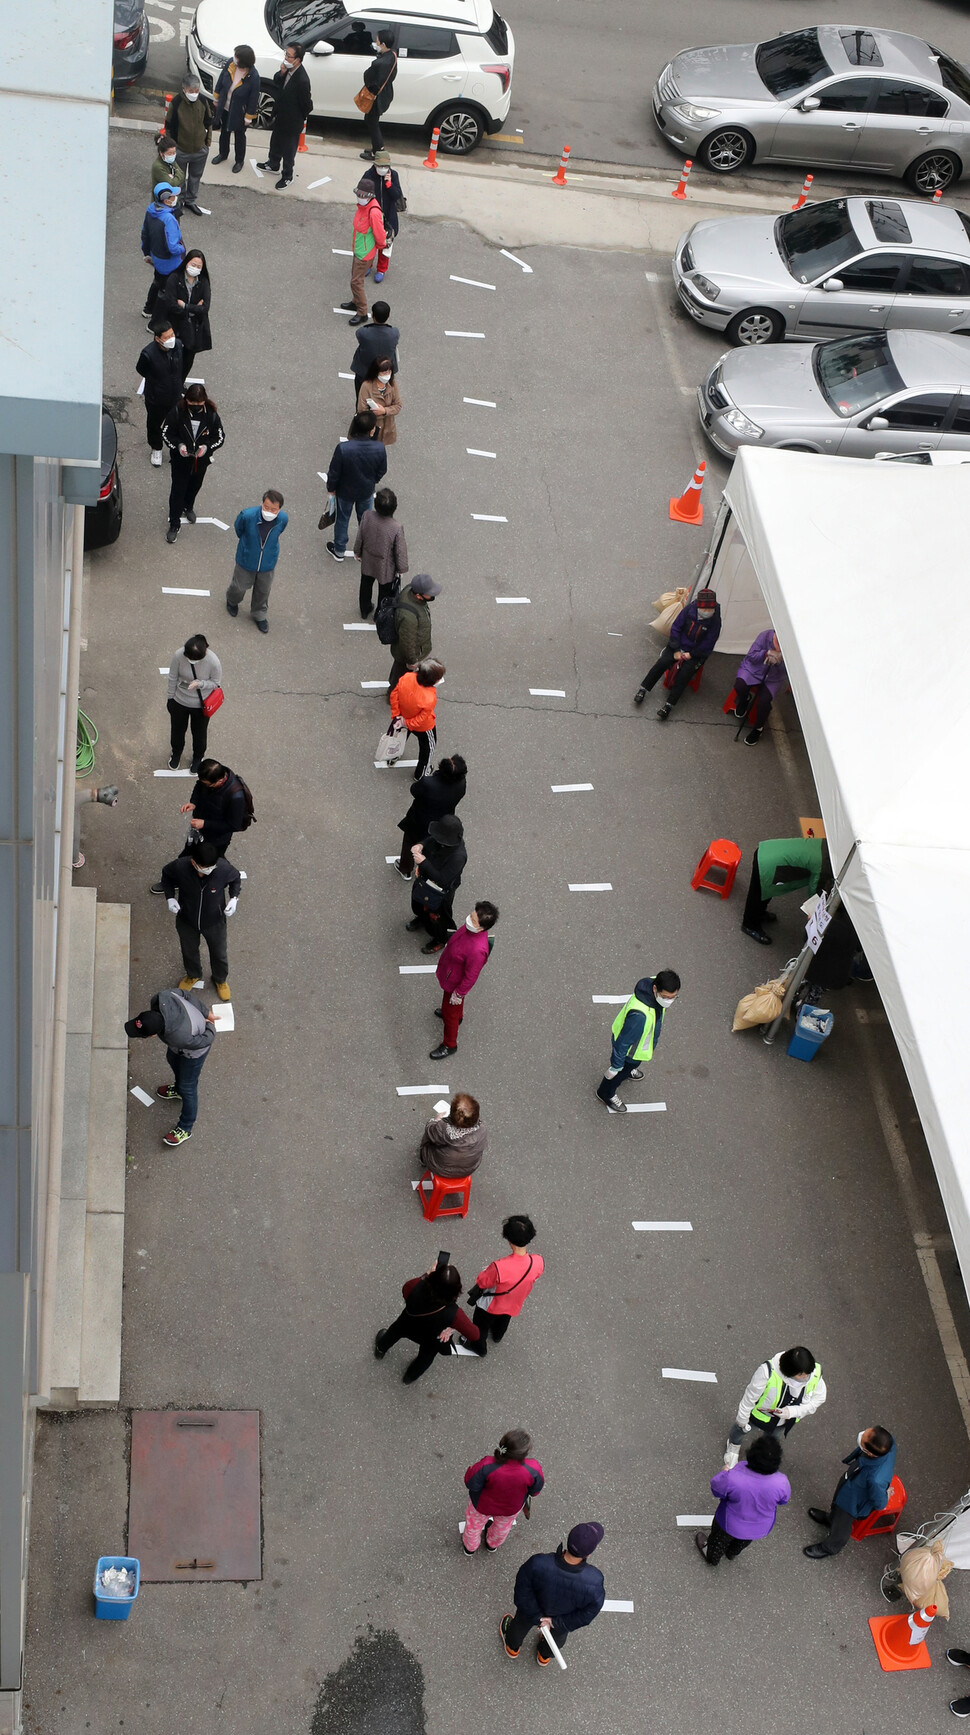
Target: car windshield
x=815, y=241
x=855, y=372
x=293, y=18
x=791, y=63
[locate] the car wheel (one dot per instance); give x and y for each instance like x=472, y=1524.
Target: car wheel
x=727, y=150
x=756, y=325
x=794, y=446
x=265, y=111
x=932, y=172
x=461, y=130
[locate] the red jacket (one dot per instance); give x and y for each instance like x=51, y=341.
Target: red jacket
x=503, y=1490
x=366, y=217
x=461, y=962
x=511, y=1278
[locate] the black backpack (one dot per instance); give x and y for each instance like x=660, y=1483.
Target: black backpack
x=250, y=818
x=386, y=613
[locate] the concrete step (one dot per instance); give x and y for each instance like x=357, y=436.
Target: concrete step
x=104, y=1259
x=66, y=1345
x=112, y=949
x=80, y=981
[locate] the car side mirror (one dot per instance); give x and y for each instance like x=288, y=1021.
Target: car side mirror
x=809, y=104
x=877, y=424
x=322, y=48
x=832, y=285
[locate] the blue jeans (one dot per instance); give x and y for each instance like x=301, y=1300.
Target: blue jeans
x=186, y=1069
x=342, y=523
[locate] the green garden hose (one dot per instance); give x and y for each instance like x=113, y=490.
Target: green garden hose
x=87, y=735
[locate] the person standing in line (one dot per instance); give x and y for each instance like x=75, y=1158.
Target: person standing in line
x=294, y=105
x=379, y=393
x=498, y=1488
x=693, y=636
x=185, y=300
x=759, y=680
x=636, y=1032
x=381, y=549
x=188, y=124
x=387, y=190
x=430, y=1318
x=217, y=809
x=237, y=104
x=160, y=365
x=441, y=860
x=193, y=432
x=196, y=886
x=195, y=672
x=863, y=1488
x=413, y=700
x=379, y=80
x=499, y=1292
x=432, y=797
x=781, y=865
x=161, y=241
x=412, y=625
x=186, y=1026
x=454, y=1141
x=356, y=466
x=780, y=1393
x=558, y=1591
x=368, y=237
x=258, y=529
x=377, y=338
x=462, y=961
x=165, y=169
x=750, y=1494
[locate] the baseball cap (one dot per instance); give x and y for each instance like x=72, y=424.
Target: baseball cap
x=145, y=1024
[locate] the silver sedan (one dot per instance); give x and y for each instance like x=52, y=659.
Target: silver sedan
x=854, y=97
x=830, y=269
x=899, y=391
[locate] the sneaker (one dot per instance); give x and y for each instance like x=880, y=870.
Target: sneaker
x=503, y=1629
x=195, y=767
x=333, y=553
x=400, y=872
x=232, y=608
x=222, y=989
x=663, y=713
x=639, y=695
x=379, y=1351
x=172, y=534
x=188, y=983
x=700, y=1541
x=413, y=925
x=177, y=1136
x=616, y=1103
x=281, y=183
x=960, y=1707
x=268, y=165
x=756, y=934
x=156, y=459
x=543, y=1661
x=379, y=276
x=173, y=764
x=959, y=1659
x=637, y=1072
x=358, y=319
x=741, y=710
x=262, y=626
x=157, y=890
x=817, y=1552
x=439, y=1014
x=367, y=156
x=753, y=737
x=432, y=947
x=168, y=1093
x=189, y=515
x=442, y=1052
x=220, y=159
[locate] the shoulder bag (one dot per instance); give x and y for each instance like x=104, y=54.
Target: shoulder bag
x=212, y=701
x=365, y=99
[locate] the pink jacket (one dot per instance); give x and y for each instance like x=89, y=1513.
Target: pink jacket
x=368, y=217
x=460, y=964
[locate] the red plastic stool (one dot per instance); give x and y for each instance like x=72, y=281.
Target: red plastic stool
x=724, y=857
x=732, y=700
x=883, y=1522
x=433, y=1198
x=671, y=676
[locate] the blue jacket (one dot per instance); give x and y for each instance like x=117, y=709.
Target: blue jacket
x=250, y=555
x=161, y=238
x=356, y=468
x=571, y=1596
x=867, y=1488
x=693, y=635
x=631, y=1029
x=232, y=105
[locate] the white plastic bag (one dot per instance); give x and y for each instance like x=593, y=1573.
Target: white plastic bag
x=391, y=745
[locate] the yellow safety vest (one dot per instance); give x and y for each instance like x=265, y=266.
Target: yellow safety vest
x=768, y=1401
x=644, y=1048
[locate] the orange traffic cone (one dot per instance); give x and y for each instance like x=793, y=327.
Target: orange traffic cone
x=169, y=99
x=302, y=144
x=900, y=1640
x=937, y=196
x=680, y=192
x=559, y=178
x=431, y=160
x=687, y=508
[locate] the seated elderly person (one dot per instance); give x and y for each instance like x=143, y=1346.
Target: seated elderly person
x=454, y=1143
x=761, y=676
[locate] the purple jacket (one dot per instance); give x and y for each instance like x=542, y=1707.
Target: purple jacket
x=693, y=635
x=757, y=672
x=461, y=961
x=749, y=1501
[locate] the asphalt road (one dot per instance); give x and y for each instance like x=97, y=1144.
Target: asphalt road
x=261, y=1257
x=584, y=74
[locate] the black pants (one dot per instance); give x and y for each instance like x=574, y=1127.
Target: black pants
x=238, y=134
x=685, y=673
x=520, y=1627
x=367, y=596
x=759, y=696
x=188, y=362
x=840, y=1527
x=397, y=670
x=182, y=716
x=493, y=1325
x=215, y=938
x=188, y=475
x=754, y=904
x=155, y=415
x=427, y=740
x=437, y=924
x=374, y=126
x=282, y=150
x=158, y=282
x=719, y=1542
x=406, y=1325
x=609, y=1086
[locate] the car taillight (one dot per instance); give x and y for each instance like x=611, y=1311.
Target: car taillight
x=502, y=72
x=125, y=38
x=106, y=487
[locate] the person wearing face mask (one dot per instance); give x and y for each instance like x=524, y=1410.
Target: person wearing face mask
x=379, y=393
x=160, y=365
x=259, y=529
x=759, y=680
x=196, y=886
x=195, y=672
x=413, y=700
x=781, y=1391
x=863, y=1488
x=294, y=105
x=387, y=189
x=356, y=466
x=188, y=125
x=693, y=636
x=377, y=338
x=636, y=1032
x=165, y=168
x=161, y=241
x=237, y=104
x=379, y=80
x=369, y=235
x=461, y=963
x=185, y=300
x=193, y=432
x=750, y=1494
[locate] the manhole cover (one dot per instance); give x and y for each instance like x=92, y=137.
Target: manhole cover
x=193, y=1506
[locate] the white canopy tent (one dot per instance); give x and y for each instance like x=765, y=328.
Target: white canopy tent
x=863, y=570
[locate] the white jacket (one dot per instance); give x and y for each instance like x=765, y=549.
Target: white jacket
x=793, y=1407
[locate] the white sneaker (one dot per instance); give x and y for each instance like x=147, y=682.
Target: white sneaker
x=157, y=459
x=637, y=1072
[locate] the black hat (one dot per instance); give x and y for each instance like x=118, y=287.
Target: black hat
x=145, y=1024
x=583, y=1538
x=422, y=584
x=447, y=830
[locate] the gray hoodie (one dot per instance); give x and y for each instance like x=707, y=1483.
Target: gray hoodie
x=186, y=1029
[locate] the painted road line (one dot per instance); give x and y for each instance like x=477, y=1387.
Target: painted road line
x=359, y=627
x=168, y=773
x=256, y=171
x=483, y=403
x=195, y=380
x=421, y=1089
x=416, y=969
x=614, y=1607
x=345, y=253
x=175, y=590
x=340, y=377
x=516, y=260
x=472, y=282
x=610, y=999
x=143, y=1096
x=402, y=764
x=216, y=521
x=688, y=1374
x=161, y=670
x=488, y=518
x=511, y=599
x=591, y=886
x=375, y=686
x=613, y=635
x=223, y=1016
x=661, y=1226
x=480, y=334
x=644, y=1108
x=548, y=692
x=321, y=183
x=689, y=1520
x=473, y=452
x=568, y=788
x=347, y=312
x=652, y=276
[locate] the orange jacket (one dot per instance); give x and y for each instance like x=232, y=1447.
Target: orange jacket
x=415, y=704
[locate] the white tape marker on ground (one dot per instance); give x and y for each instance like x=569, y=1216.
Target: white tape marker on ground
x=480, y=334
x=359, y=627
x=399, y=765
x=511, y=599
x=660, y=1226
x=488, y=518
x=375, y=686
x=691, y=1520
x=515, y=260
x=173, y=774
x=257, y=172
x=416, y=969
x=688, y=1374
x=343, y=377
x=175, y=590
x=652, y=276
x=216, y=521
x=610, y=999
x=483, y=403
x=345, y=253
x=321, y=183
x=421, y=1089
x=614, y=1607
x=548, y=692
x=591, y=885
x=644, y=1108
x=347, y=312
x=162, y=671
x=473, y=452
x=568, y=788
x=472, y=282
x=143, y=1096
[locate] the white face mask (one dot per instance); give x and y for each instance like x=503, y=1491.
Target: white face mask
x=269, y=516
x=665, y=1003
x=168, y=343
x=363, y=202
x=859, y=1439
x=193, y=270
x=191, y=95
x=205, y=872
x=383, y=378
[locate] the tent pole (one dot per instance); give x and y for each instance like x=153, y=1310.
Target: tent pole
x=833, y=900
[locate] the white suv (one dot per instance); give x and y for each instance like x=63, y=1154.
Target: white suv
x=454, y=57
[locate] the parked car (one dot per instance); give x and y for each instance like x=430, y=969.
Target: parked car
x=455, y=58
x=829, y=269
x=102, y=523
x=855, y=98
x=129, y=54
x=892, y=391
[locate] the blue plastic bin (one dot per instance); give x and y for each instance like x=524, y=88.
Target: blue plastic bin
x=109, y=1606
x=812, y=1026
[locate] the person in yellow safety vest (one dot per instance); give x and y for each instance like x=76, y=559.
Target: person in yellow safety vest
x=636, y=1032
x=780, y=1393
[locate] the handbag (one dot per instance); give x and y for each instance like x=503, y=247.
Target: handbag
x=212, y=701
x=428, y=896
x=365, y=99
x=391, y=744
x=330, y=516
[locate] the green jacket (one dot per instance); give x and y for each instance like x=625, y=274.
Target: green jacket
x=189, y=123
x=798, y=853
x=413, y=628
x=169, y=172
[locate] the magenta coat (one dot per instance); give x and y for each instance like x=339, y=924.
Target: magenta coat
x=757, y=672
x=461, y=961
